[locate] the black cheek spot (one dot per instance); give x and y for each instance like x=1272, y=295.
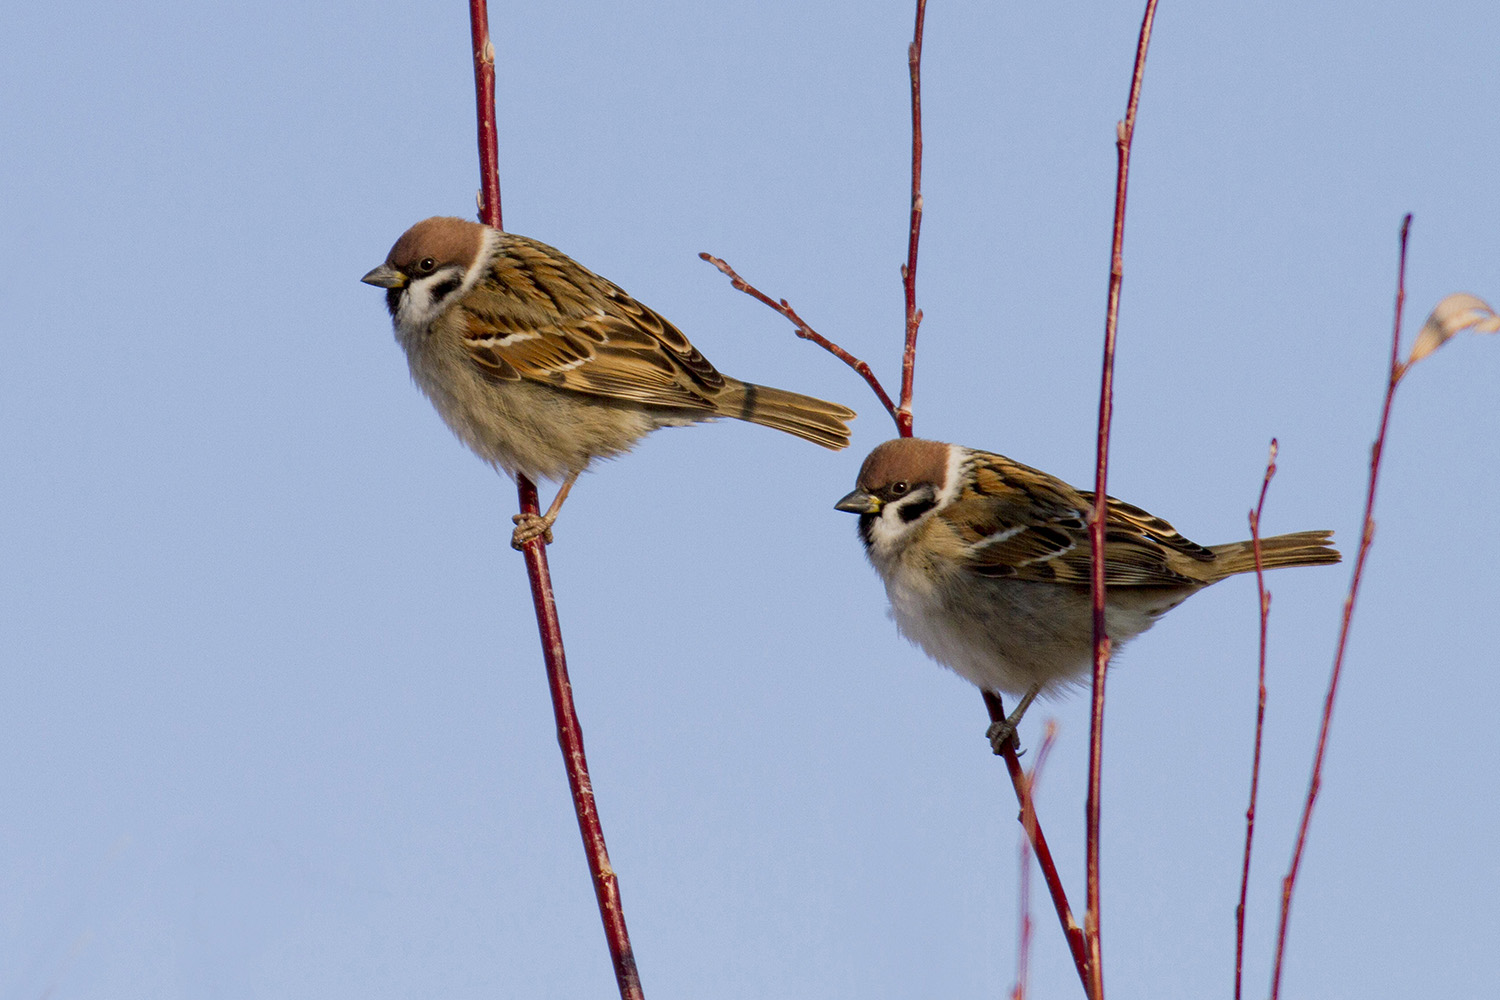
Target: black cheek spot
x=911, y=511
x=445, y=288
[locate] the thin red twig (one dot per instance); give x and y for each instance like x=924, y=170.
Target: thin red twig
x=909, y=269
x=1125, y=134
x=1029, y=822
x=484, y=103
x=902, y=416
x=1367, y=536
x=808, y=333
x=570, y=740
x=569, y=731
x=1264, y=603
x=1023, y=945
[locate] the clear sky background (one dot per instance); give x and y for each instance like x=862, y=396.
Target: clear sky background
x=272, y=712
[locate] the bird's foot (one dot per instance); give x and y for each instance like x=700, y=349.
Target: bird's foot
x=1001, y=733
x=530, y=527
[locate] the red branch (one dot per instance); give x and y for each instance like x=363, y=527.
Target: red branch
x=1367, y=536
x=902, y=416
x=909, y=269
x=1023, y=945
x=1125, y=134
x=484, y=103
x=1029, y=822
x=1264, y=604
x=808, y=333
x=569, y=732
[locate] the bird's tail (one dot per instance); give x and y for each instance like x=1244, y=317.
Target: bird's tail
x=1302, y=548
x=816, y=420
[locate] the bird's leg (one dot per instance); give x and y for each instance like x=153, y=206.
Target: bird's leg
x=1003, y=732
x=529, y=526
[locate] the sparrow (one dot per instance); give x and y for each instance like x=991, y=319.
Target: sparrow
x=540, y=366
x=986, y=563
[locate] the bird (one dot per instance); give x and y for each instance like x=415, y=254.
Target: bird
x=986, y=564
x=540, y=366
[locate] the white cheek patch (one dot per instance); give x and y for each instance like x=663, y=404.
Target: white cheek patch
x=418, y=309
x=889, y=531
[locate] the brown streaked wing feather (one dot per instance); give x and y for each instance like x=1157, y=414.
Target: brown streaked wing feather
x=541, y=316
x=1017, y=521
x=614, y=366
x=1141, y=550
x=1128, y=519
x=1039, y=527
x=665, y=337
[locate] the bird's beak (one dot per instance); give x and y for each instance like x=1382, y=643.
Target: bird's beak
x=859, y=502
x=385, y=276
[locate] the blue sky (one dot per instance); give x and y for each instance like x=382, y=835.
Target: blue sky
x=274, y=719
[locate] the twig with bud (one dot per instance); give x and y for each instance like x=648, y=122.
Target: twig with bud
x=1452, y=315
x=1264, y=603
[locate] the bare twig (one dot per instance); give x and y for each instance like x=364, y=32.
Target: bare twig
x=902, y=416
x=1072, y=933
x=1367, y=536
x=1023, y=944
x=1125, y=134
x=569, y=731
x=808, y=333
x=1264, y=604
x=484, y=103
x=909, y=269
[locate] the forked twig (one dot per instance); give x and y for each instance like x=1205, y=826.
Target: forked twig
x=902, y=416
x=569, y=732
x=1264, y=603
x=1125, y=134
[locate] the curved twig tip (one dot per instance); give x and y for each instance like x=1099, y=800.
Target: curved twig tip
x=806, y=332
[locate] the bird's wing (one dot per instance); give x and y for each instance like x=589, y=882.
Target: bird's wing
x=1021, y=524
x=538, y=315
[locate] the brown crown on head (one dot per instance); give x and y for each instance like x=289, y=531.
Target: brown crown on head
x=445, y=239
x=904, y=460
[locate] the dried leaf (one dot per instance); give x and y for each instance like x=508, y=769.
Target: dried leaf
x=1454, y=314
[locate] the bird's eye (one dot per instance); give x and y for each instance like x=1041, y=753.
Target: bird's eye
x=899, y=489
x=426, y=265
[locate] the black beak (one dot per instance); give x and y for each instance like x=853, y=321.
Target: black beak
x=385, y=276
x=859, y=502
